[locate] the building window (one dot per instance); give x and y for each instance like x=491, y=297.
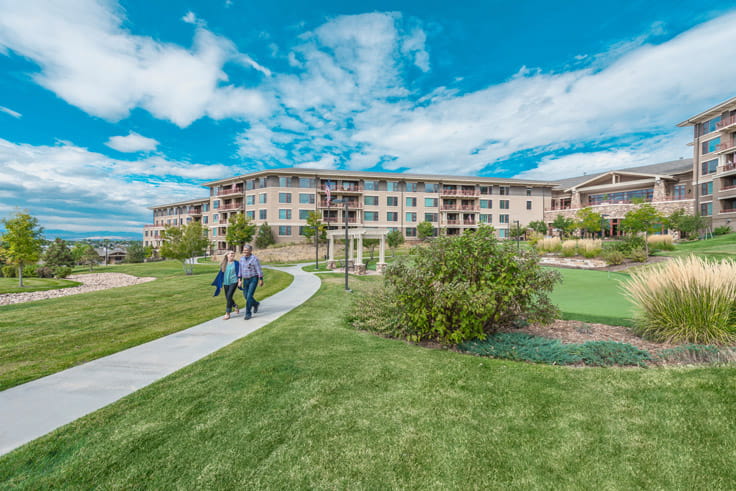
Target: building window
x=370, y=216
x=411, y=216
x=706, y=209
x=484, y=218
x=250, y=199
x=528, y=205
x=504, y=204
x=710, y=145
x=262, y=214
x=250, y=184
x=706, y=188
x=214, y=232
x=431, y=187
x=411, y=201
x=304, y=214
x=411, y=231
x=215, y=218
x=370, y=185
x=306, y=199
x=205, y=207
x=430, y=202
x=301, y=229
x=215, y=205
x=529, y=193
x=250, y=214
x=284, y=197
x=284, y=182
x=679, y=192
x=261, y=182
x=205, y=219
x=411, y=187
x=709, y=167
x=431, y=217
x=486, y=190
x=305, y=182
x=284, y=229
x=392, y=216
x=392, y=200
x=502, y=232
x=262, y=198
x=392, y=186
x=370, y=200
x=504, y=190
x=284, y=214
x=486, y=204
x=503, y=219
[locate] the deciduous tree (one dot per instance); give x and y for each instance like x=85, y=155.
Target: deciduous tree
x=425, y=230
x=184, y=244
x=644, y=219
x=240, y=231
x=22, y=241
x=589, y=220
x=394, y=239
x=564, y=225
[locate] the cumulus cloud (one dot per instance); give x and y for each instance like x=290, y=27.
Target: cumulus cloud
x=88, y=59
x=133, y=142
x=85, y=191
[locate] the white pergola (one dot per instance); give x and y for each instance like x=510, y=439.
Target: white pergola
x=355, y=247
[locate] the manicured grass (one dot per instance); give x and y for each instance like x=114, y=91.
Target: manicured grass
x=719, y=247
x=308, y=403
x=593, y=296
x=10, y=285
x=46, y=336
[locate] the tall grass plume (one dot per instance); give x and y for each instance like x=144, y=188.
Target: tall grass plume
x=686, y=300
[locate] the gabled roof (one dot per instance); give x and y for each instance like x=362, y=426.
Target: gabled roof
x=709, y=113
x=652, y=170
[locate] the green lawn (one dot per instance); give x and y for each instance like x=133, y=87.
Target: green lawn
x=592, y=296
x=719, y=247
x=308, y=403
x=10, y=285
x=46, y=336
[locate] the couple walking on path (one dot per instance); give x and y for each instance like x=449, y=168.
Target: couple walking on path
x=246, y=274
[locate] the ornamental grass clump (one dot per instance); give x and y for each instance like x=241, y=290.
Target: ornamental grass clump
x=590, y=247
x=688, y=300
x=569, y=248
x=549, y=244
x=661, y=242
x=458, y=288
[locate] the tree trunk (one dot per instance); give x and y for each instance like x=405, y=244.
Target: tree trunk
x=20, y=275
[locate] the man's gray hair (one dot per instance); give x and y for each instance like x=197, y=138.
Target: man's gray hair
x=248, y=246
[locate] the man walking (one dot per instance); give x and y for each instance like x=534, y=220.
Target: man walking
x=251, y=276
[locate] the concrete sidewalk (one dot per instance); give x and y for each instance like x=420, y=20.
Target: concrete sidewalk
x=33, y=409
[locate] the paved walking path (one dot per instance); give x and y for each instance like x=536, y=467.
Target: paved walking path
x=33, y=409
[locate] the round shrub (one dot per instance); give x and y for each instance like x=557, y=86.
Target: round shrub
x=458, y=288
x=686, y=300
x=639, y=255
x=62, y=271
x=10, y=271
x=44, y=272
x=613, y=257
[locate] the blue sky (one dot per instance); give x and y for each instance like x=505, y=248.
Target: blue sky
x=109, y=107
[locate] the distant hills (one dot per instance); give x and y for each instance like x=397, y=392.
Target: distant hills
x=51, y=234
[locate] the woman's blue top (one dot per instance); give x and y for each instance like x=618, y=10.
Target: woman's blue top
x=231, y=276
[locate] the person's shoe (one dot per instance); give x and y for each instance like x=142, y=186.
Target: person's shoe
x=237, y=311
x=247, y=317
x=255, y=307
x=227, y=316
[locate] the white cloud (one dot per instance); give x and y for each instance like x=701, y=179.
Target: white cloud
x=88, y=59
x=87, y=191
x=133, y=142
x=9, y=111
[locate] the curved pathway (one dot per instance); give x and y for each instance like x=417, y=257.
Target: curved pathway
x=33, y=409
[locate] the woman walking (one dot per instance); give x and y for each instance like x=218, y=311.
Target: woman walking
x=230, y=269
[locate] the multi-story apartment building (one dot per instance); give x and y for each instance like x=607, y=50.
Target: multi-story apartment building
x=283, y=198
x=667, y=186
x=174, y=214
x=714, y=162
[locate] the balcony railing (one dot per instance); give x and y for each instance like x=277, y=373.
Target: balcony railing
x=728, y=188
x=468, y=222
x=469, y=207
x=725, y=147
x=459, y=192
x=351, y=204
x=194, y=211
x=449, y=207
x=726, y=122
x=226, y=191
x=728, y=210
x=728, y=167
x=231, y=207
x=342, y=189
x=453, y=222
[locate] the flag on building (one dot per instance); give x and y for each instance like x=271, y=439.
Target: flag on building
x=329, y=195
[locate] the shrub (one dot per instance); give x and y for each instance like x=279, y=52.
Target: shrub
x=569, y=248
x=30, y=270
x=625, y=245
x=533, y=237
x=661, y=242
x=62, y=271
x=551, y=244
x=44, y=272
x=458, y=288
x=686, y=300
x=639, y=255
x=10, y=271
x=525, y=347
x=613, y=258
x=698, y=353
x=722, y=230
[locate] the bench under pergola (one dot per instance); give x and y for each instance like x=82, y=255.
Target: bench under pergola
x=355, y=247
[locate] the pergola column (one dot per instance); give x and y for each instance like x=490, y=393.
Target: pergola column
x=359, y=266
x=331, y=261
x=381, y=264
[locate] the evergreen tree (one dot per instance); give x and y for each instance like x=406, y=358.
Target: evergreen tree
x=58, y=254
x=135, y=253
x=394, y=239
x=89, y=257
x=265, y=236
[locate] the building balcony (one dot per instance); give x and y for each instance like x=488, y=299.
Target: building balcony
x=469, y=207
x=722, y=148
x=729, y=191
x=230, y=207
x=727, y=210
x=469, y=222
x=449, y=208
x=343, y=189
x=194, y=210
x=459, y=192
x=228, y=191
x=726, y=123
x=728, y=169
x=351, y=205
